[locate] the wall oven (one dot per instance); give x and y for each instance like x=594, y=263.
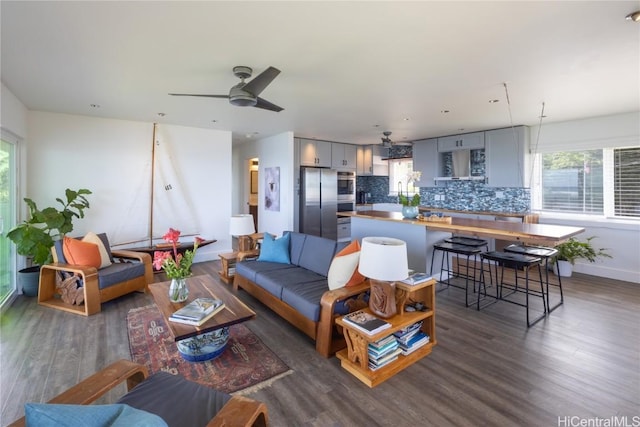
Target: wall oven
x=346, y=186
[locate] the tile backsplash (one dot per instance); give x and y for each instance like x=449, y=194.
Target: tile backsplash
x=456, y=195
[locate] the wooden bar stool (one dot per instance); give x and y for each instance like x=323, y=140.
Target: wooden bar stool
x=518, y=262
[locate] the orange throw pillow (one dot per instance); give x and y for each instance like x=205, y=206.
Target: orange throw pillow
x=78, y=252
x=344, y=267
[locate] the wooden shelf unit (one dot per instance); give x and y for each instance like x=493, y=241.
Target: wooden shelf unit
x=355, y=358
x=228, y=261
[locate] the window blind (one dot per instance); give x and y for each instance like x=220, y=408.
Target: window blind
x=627, y=181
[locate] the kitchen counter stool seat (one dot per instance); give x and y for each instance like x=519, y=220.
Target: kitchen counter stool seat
x=496, y=263
x=469, y=272
x=546, y=254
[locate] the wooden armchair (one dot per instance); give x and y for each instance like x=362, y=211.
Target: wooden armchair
x=238, y=411
x=95, y=292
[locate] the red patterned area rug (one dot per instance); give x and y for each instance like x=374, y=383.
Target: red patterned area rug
x=246, y=364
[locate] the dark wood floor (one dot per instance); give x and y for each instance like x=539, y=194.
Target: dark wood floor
x=488, y=369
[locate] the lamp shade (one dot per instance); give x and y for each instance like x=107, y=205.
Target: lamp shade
x=242, y=225
x=383, y=258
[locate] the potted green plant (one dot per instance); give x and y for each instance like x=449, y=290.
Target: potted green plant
x=36, y=235
x=572, y=250
x=409, y=205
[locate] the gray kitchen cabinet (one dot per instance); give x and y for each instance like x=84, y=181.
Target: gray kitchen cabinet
x=369, y=160
x=343, y=156
x=315, y=153
x=506, y=157
x=426, y=160
x=470, y=141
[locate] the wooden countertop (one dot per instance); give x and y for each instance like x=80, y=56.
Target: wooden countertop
x=490, y=213
x=539, y=234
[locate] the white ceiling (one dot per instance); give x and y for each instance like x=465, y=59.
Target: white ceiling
x=347, y=67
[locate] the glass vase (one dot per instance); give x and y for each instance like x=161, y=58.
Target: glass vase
x=178, y=291
x=410, y=211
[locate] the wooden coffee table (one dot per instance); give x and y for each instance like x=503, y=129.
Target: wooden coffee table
x=204, y=342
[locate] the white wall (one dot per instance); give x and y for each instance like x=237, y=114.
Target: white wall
x=276, y=151
x=112, y=158
x=13, y=114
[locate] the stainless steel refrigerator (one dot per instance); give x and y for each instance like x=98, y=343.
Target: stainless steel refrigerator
x=319, y=202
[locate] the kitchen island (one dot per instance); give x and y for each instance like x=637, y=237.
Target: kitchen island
x=421, y=235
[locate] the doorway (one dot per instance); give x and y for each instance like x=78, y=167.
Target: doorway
x=253, y=190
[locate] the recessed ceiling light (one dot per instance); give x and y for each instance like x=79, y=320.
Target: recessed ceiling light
x=376, y=126
x=493, y=101
x=94, y=105
x=460, y=128
x=635, y=16
x=214, y=121
x=444, y=111
x=161, y=114
x=406, y=119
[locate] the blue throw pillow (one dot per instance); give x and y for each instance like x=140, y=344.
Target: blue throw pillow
x=117, y=415
x=275, y=250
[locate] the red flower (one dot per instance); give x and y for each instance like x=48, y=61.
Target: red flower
x=159, y=257
x=199, y=240
x=172, y=236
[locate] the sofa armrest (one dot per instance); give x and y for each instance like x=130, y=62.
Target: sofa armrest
x=92, y=388
x=327, y=319
x=47, y=287
x=241, y=411
x=248, y=254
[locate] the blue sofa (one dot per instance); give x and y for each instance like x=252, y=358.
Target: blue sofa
x=299, y=291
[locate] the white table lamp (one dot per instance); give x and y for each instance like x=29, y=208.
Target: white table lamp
x=383, y=260
x=242, y=226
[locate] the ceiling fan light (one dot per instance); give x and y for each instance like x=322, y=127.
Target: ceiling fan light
x=243, y=101
x=635, y=16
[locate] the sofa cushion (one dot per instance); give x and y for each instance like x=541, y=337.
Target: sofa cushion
x=275, y=280
x=344, y=267
x=78, y=252
x=119, y=272
x=250, y=268
x=275, y=250
x=105, y=258
x=61, y=415
x=305, y=297
x=295, y=246
x=177, y=401
x=59, y=253
x=317, y=253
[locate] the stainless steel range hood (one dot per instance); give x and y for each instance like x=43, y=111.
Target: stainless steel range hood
x=461, y=163
x=460, y=167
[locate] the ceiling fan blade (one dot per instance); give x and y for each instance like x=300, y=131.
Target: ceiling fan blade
x=203, y=96
x=266, y=105
x=261, y=81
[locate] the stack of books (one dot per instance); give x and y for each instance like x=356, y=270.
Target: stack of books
x=366, y=322
x=383, y=352
x=411, y=338
x=416, y=278
x=197, y=311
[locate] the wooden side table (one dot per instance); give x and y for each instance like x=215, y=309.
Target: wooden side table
x=355, y=358
x=228, y=270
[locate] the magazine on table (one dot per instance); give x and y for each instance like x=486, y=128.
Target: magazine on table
x=366, y=322
x=416, y=278
x=197, y=311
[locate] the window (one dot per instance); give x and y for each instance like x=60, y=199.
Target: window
x=572, y=182
x=7, y=218
x=603, y=182
x=401, y=177
x=626, y=186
